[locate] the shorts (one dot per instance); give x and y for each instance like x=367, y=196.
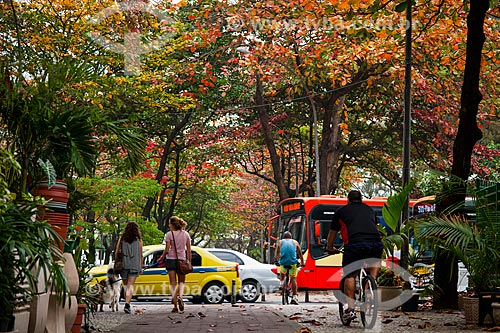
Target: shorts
x=361, y=251
x=171, y=264
x=127, y=272
x=292, y=271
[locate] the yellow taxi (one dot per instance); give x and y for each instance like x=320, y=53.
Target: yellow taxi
x=210, y=281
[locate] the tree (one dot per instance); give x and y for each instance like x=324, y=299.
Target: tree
x=467, y=136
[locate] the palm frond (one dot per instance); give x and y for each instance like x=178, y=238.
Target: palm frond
x=448, y=231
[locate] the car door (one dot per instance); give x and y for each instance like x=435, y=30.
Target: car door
x=192, y=285
x=153, y=281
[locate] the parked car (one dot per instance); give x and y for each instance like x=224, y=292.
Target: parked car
x=256, y=277
x=210, y=281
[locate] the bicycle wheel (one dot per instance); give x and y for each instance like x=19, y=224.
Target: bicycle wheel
x=285, y=290
x=343, y=305
x=369, y=302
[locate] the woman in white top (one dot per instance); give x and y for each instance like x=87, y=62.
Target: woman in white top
x=178, y=236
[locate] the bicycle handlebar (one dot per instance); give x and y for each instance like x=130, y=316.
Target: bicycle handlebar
x=335, y=251
x=278, y=264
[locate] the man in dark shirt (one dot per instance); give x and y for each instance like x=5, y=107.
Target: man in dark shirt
x=357, y=225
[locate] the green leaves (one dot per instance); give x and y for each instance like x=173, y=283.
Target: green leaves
x=49, y=171
x=26, y=244
x=394, y=206
x=401, y=7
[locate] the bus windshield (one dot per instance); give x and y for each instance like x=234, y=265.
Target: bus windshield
x=296, y=225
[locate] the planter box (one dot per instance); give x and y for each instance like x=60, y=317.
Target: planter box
x=411, y=305
x=470, y=307
x=496, y=313
x=389, y=297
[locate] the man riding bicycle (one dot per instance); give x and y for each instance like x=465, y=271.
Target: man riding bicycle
x=357, y=225
x=287, y=251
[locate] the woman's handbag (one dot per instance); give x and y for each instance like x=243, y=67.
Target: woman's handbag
x=183, y=266
x=118, y=266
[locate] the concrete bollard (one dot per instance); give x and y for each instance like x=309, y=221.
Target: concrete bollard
x=233, y=292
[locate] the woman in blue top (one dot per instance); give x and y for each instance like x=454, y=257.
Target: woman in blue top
x=286, y=254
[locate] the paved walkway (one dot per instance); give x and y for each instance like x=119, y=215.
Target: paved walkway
x=318, y=316
x=222, y=318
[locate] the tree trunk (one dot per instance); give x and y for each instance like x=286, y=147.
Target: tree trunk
x=269, y=140
x=146, y=211
x=331, y=167
x=467, y=136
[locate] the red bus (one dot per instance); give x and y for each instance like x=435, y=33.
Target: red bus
x=308, y=219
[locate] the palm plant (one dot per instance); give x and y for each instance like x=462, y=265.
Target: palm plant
x=27, y=249
x=476, y=243
x=37, y=124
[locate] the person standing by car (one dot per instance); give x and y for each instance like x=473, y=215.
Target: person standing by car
x=177, y=246
x=287, y=251
x=357, y=225
x=130, y=245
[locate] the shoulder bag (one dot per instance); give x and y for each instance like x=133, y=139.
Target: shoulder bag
x=183, y=266
x=118, y=265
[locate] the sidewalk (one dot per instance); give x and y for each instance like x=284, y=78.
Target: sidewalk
x=222, y=318
x=320, y=315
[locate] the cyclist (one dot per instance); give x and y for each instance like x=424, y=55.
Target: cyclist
x=287, y=251
x=357, y=225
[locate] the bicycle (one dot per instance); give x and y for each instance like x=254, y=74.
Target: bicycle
x=365, y=298
x=286, y=286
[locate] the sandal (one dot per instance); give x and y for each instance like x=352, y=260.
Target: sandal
x=181, y=304
x=174, y=310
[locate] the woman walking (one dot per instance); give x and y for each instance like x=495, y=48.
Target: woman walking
x=130, y=245
x=177, y=246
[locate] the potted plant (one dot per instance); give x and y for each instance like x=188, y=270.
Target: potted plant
x=86, y=296
x=390, y=287
x=474, y=242
x=394, y=235
x=27, y=248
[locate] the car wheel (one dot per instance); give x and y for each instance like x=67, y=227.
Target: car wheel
x=250, y=292
x=214, y=293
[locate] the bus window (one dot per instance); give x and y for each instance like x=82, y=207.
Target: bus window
x=319, y=237
x=296, y=226
x=274, y=229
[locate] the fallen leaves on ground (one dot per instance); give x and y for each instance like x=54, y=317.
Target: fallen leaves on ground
x=304, y=330
x=425, y=325
x=493, y=329
x=450, y=324
x=313, y=322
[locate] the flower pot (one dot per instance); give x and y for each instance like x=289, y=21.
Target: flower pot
x=470, y=307
x=59, y=222
x=7, y=324
x=389, y=297
x=411, y=305
x=54, y=211
x=57, y=195
x=496, y=313
x=77, y=325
